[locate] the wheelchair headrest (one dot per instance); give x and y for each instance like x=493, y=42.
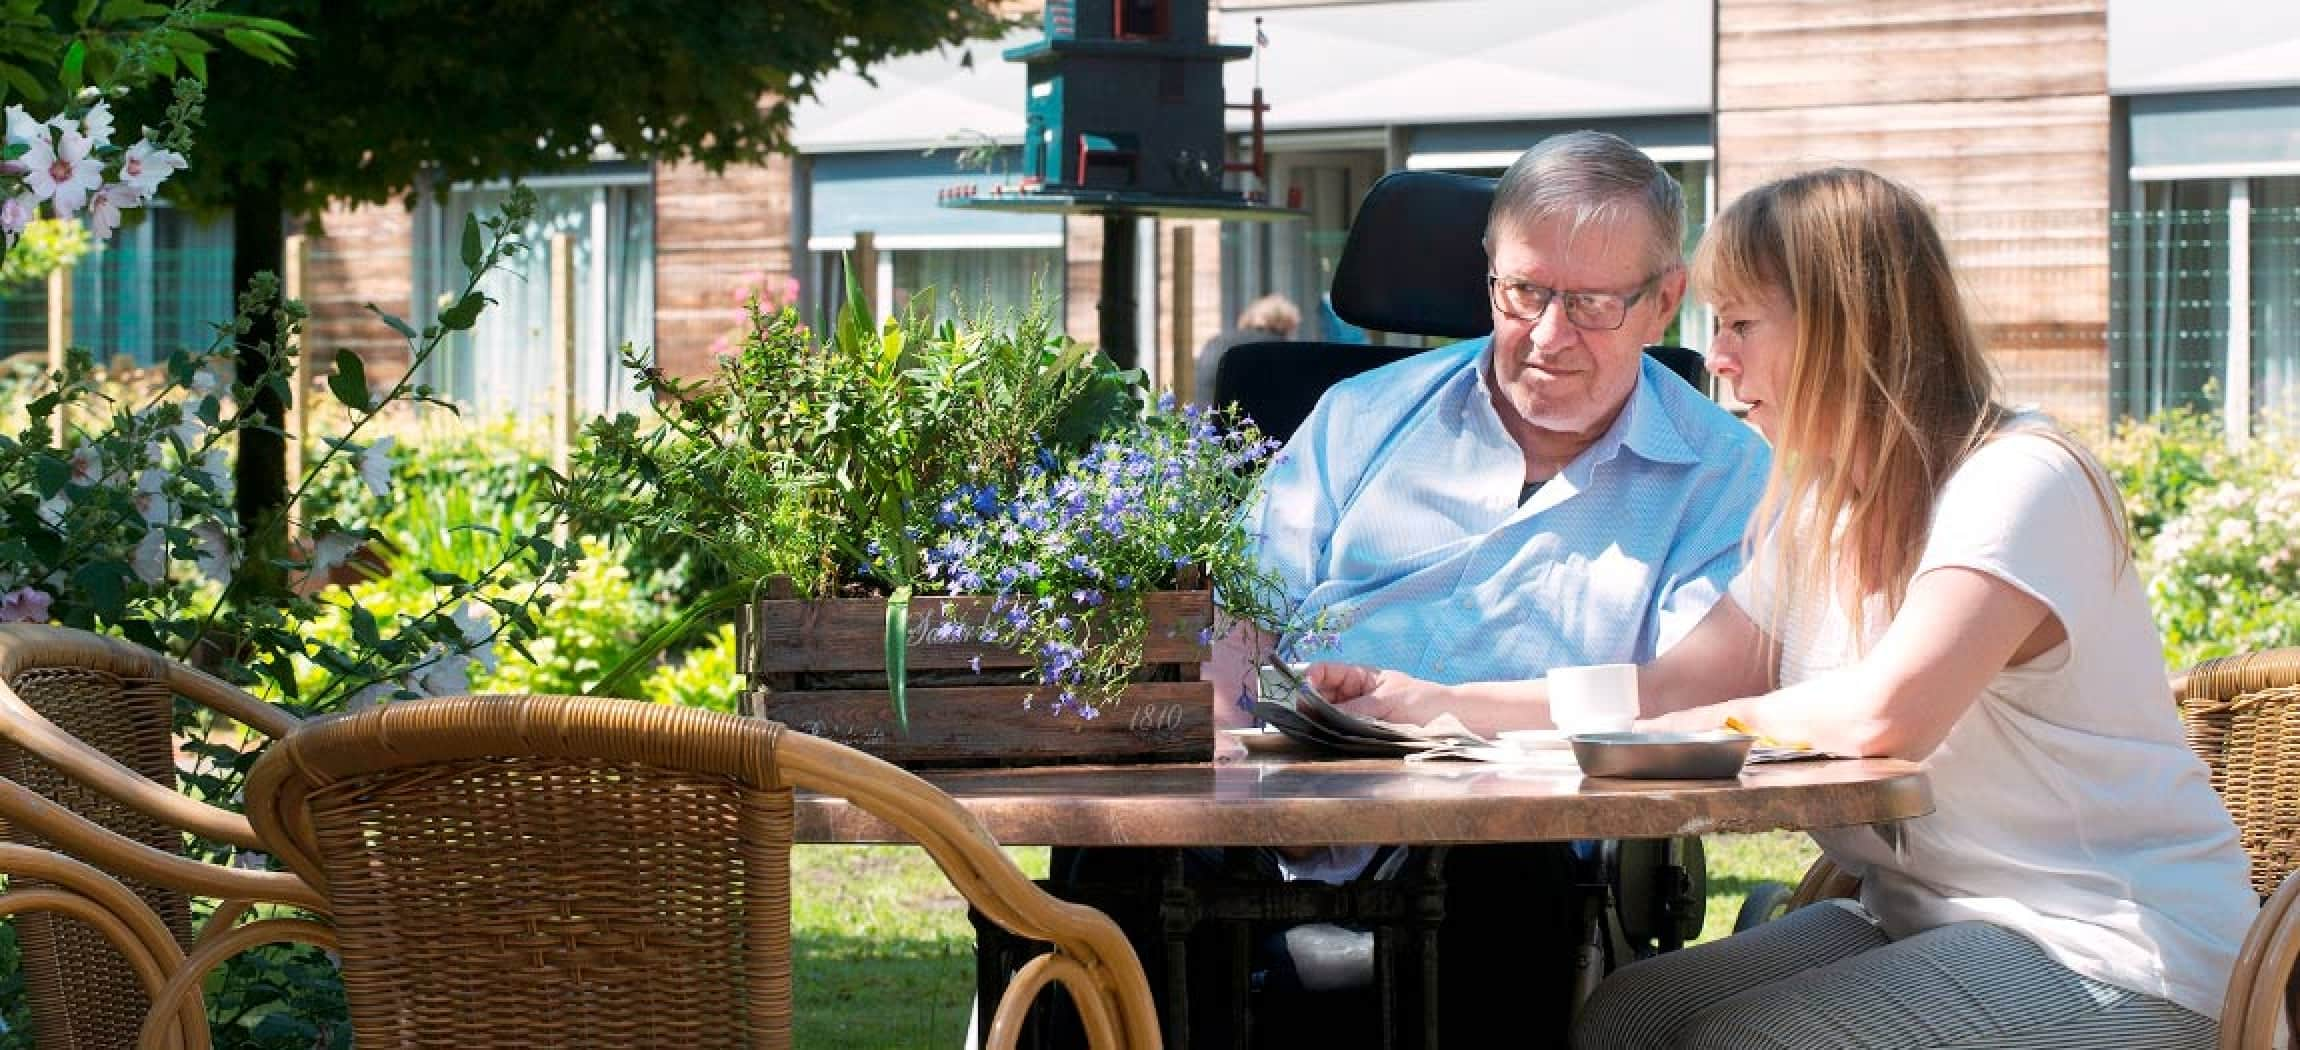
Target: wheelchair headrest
x=1415, y=261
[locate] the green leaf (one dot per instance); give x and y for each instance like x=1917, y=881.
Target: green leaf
x=464, y=314
x=402, y=327
x=103, y=587
x=898, y=656
x=441, y=578
x=25, y=84
x=75, y=60
x=350, y=381
x=52, y=473
x=130, y=10
x=196, y=62
x=363, y=628
x=258, y=45
x=473, y=251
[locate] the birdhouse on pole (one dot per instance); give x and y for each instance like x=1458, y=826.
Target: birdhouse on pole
x=1125, y=97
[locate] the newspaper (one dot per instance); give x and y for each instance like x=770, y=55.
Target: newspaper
x=1291, y=706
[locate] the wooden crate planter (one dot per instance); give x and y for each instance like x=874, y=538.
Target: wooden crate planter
x=820, y=667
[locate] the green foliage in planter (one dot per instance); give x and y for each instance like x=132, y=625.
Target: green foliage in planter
x=800, y=453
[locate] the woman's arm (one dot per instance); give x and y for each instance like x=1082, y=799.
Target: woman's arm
x=1725, y=655
x=1956, y=630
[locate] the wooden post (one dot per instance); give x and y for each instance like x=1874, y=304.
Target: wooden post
x=299, y=387
x=59, y=335
x=865, y=265
x=1185, y=273
x=562, y=342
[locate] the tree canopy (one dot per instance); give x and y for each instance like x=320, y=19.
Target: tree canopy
x=381, y=90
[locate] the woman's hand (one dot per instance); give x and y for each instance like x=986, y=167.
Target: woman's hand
x=1392, y=696
x=1691, y=720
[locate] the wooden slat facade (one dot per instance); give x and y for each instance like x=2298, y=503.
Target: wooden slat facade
x=711, y=233
x=356, y=256
x=1996, y=111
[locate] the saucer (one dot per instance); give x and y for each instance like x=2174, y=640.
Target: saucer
x=1535, y=739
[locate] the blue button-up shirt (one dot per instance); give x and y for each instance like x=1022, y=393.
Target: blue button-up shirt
x=1396, y=506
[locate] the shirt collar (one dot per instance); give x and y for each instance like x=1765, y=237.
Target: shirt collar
x=1644, y=426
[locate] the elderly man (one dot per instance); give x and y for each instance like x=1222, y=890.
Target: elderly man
x=1542, y=497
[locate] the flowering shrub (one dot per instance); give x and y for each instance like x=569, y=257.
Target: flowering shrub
x=2224, y=571
x=1075, y=547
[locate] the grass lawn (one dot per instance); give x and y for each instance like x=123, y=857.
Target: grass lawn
x=885, y=954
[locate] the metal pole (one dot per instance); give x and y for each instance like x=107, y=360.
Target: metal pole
x=865, y=266
x=1185, y=272
x=1117, y=303
x=59, y=335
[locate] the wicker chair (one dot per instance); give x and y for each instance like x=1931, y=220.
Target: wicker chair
x=87, y=722
x=562, y=871
x=2242, y=715
x=47, y=884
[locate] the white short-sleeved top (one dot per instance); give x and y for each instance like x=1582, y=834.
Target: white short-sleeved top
x=2067, y=805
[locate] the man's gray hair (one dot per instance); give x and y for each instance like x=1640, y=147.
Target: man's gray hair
x=1587, y=177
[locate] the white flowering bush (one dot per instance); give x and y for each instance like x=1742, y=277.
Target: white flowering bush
x=2216, y=530
x=2224, y=573
x=68, y=165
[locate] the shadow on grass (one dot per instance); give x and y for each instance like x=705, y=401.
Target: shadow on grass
x=867, y=992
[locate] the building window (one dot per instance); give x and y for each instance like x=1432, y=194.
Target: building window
x=505, y=364
x=945, y=281
x=1298, y=259
x=160, y=284
x=1141, y=19
x=2206, y=308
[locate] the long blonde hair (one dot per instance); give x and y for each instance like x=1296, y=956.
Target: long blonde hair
x=1887, y=389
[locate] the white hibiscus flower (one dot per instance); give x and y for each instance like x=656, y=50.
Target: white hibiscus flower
x=374, y=464
x=18, y=212
x=331, y=551
x=217, y=559
x=87, y=465
x=151, y=497
x=145, y=166
x=150, y=559
x=63, y=172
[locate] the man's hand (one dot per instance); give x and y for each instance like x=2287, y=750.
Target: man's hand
x=1392, y=696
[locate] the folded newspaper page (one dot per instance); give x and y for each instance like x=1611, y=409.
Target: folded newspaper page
x=1292, y=707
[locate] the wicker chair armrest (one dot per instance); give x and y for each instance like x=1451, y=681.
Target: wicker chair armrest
x=2223, y=679
x=83, y=838
x=229, y=700
x=182, y=991
x=1082, y=936
x=32, y=731
x=2261, y=987
x=113, y=911
x=1823, y=881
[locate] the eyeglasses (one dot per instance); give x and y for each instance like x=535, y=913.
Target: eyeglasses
x=1588, y=311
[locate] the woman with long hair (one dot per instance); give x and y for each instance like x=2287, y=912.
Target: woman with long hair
x=1937, y=578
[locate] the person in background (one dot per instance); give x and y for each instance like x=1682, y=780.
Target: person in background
x=1270, y=318
x=1940, y=579
x=1540, y=497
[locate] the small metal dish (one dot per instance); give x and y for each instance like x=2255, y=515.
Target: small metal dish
x=1662, y=756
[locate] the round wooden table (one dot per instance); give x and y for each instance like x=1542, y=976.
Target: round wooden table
x=1271, y=800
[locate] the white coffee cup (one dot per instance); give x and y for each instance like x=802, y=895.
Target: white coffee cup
x=1599, y=698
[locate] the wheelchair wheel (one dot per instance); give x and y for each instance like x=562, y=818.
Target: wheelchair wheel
x=1766, y=902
